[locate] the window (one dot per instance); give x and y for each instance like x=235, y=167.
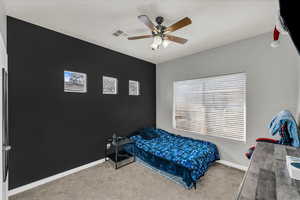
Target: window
x=212, y=106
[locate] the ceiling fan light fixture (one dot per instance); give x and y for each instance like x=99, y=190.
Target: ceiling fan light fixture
x=157, y=40
x=154, y=46
x=165, y=43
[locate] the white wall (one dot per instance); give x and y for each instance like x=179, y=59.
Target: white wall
x=272, y=85
x=3, y=187
x=3, y=20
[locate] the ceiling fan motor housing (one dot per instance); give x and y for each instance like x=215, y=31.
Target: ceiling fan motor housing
x=160, y=29
x=159, y=20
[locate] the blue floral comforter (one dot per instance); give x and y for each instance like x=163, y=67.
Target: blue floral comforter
x=180, y=156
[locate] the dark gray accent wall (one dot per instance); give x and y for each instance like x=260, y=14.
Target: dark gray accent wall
x=52, y=131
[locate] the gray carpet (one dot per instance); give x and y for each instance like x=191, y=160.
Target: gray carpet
x=135, y=182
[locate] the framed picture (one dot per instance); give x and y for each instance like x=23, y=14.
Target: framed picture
x=75, y=82
x=134, y=88
x=110, y=85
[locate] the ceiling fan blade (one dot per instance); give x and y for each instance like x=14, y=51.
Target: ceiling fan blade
x=178, y=25
x=140, y=37
x=145, y=19
x=176, y=39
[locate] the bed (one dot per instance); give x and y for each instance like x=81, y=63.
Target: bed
x=176, y=155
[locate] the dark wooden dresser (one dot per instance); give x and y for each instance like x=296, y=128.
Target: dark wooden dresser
x=267, y=177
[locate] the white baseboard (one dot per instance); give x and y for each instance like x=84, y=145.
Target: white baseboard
x=52, y=178
x=233, y=165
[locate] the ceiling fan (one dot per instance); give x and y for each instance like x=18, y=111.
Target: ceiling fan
x=160, y=33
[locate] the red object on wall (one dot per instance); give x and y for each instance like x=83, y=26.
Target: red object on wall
x=276, y=35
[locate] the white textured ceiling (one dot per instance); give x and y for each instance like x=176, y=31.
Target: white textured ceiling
x=214, y=22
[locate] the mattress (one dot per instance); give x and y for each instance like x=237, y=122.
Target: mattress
x=180, y=156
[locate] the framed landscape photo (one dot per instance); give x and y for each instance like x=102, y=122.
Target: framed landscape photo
x=110, y=85
x=75, y=82
x=134, y=88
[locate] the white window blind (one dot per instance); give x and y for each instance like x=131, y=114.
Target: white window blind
x=212, y=106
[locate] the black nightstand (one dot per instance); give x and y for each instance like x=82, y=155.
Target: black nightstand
x=115, y=153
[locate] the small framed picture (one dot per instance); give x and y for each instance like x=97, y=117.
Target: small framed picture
x=134, y=88
x=110, y=85
x=75, y=82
